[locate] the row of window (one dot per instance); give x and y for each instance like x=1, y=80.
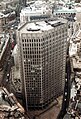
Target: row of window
x=58, y=34
x=48, y=40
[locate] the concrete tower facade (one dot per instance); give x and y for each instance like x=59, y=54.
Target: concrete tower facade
x=42, y=48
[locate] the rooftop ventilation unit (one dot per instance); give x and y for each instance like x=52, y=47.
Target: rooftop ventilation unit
x=33, y=29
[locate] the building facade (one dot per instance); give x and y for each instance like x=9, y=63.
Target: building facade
x=64, y=12
x=36, y=11
x=5, y=49
x=2, y=22
x=42, y=47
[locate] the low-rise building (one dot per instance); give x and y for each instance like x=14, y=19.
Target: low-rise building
x=5, y=48
x=74, y=108
x=64, y=11
x=7, y=3
x=10, y=108
x=7, y=17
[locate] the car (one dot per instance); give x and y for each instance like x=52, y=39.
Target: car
x=7, y=80
x=16, y=27
x=8, y=75
x=11, y=28
x=12, y=25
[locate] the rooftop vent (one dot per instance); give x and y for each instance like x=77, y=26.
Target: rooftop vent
x=31, y=29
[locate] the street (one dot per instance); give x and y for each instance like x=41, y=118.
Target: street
x=6, y=73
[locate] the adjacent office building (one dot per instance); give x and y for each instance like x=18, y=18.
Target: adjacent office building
x=61, y=11
x=42, y=47
x=35, y=11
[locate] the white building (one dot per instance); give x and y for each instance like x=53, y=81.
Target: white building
x=64, y=11
x=35, y=11
x=15, y=55
x=72, y=49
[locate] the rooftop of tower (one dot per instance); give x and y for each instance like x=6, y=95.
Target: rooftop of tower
x=41, y=26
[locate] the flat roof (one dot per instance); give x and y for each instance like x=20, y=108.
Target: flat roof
x=65, y=10
x=37, y=8
x=41, y=26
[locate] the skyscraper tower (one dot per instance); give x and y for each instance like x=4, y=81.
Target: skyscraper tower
x=42, y=47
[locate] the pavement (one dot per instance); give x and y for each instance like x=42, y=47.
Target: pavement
x=50, y=112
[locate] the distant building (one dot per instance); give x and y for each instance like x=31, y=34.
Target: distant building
x=72, y=48
x=6, y=18
x=64, y=11
x=9, y=106
x=8, y=3
x=75, y=44
x=78, y=15
x=36, y=11
x=67, y=13
x=2, y=22
x=42, y=46
x=5, y=48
